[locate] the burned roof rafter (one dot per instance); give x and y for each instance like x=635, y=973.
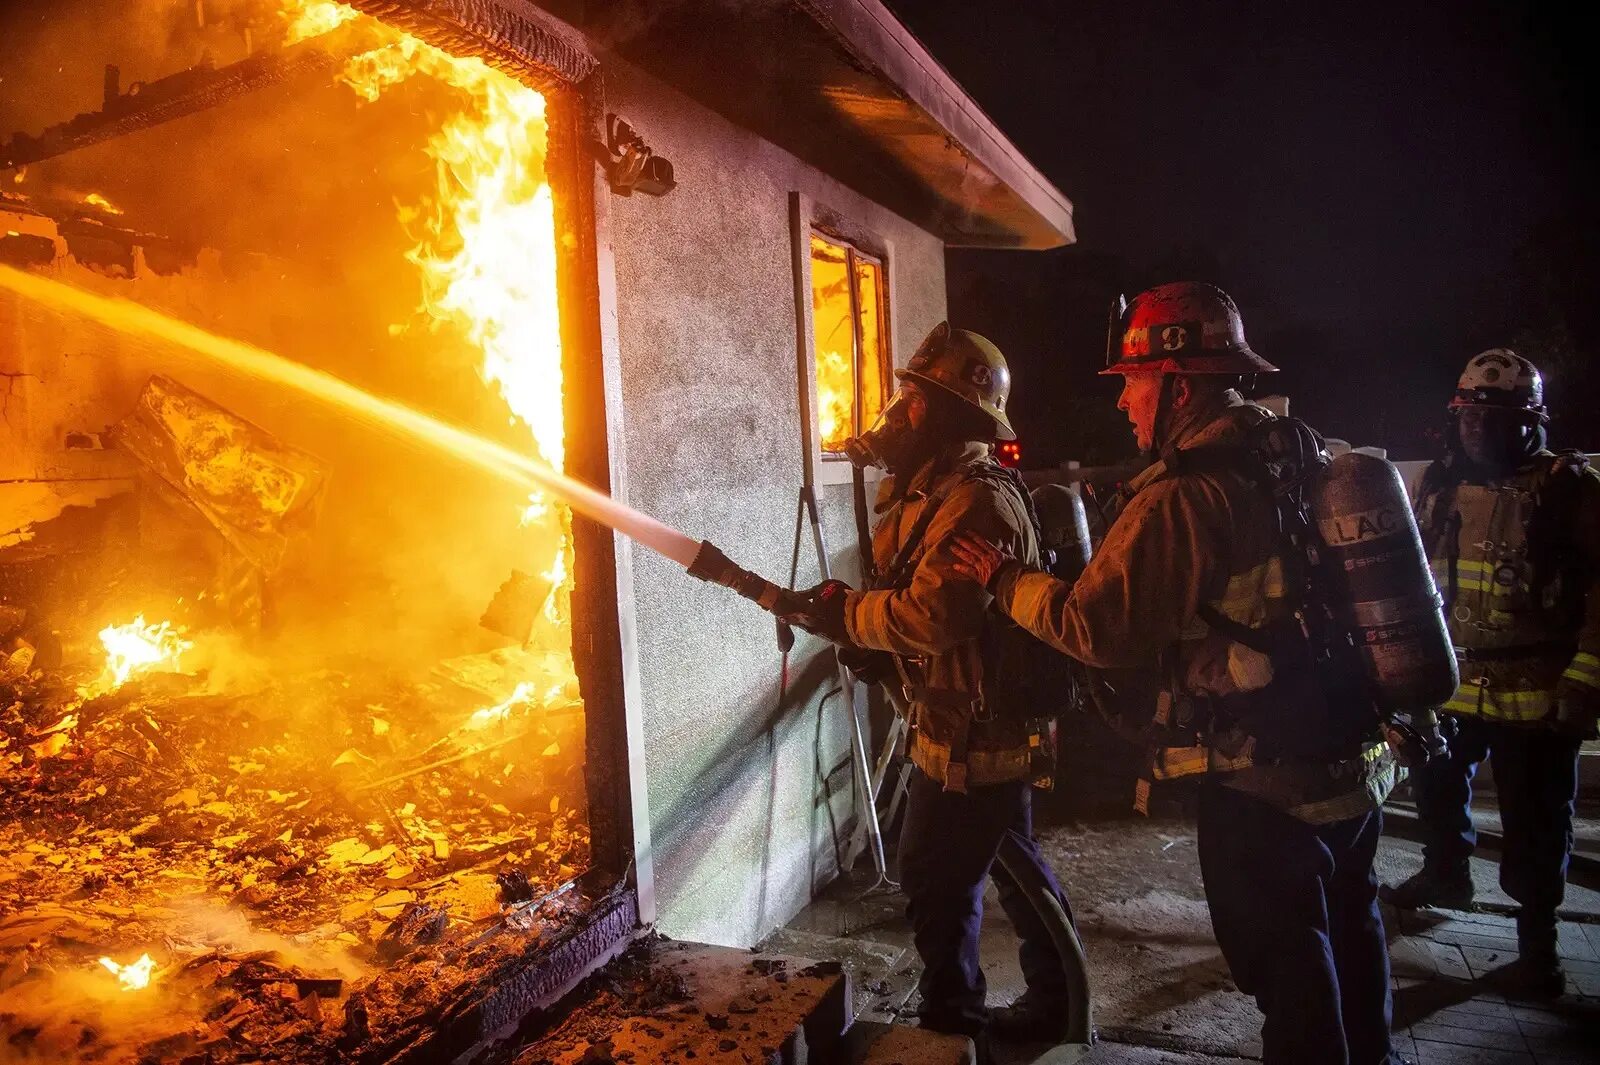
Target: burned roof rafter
x=510, y=35
x=187, y=92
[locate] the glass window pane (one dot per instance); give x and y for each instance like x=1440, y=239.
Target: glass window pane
x=834, y=333
x=874, y=358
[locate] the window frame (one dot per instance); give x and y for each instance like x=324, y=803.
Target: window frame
x=808, y=218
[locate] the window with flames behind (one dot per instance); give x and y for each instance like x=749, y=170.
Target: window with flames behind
x=850, y=343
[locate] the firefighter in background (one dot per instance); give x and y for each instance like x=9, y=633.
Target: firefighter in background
x=972, y=779
x=1513, y=532
x=1290, y=799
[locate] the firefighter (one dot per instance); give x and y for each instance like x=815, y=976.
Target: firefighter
x=970, y=785
x=1189, y=578
x=1513, y=532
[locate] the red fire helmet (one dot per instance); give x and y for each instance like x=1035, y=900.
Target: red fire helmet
x=1185, y=327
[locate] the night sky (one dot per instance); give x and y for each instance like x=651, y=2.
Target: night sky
x=1385, y=189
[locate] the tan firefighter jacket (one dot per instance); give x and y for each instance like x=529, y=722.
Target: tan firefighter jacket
x=1184, y=540
x=933, y=622
x=1525, y=622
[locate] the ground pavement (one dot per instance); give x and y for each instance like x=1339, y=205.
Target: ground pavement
x=1161, y=990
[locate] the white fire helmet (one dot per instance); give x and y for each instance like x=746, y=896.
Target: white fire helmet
x=1500, y=377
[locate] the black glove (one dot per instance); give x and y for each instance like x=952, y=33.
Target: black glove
x=868, y=667
x=822, y=611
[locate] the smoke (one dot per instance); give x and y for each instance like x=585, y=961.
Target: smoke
x=77, y=1010
x=68, y=1010
x=227, y=930
x=53, y=63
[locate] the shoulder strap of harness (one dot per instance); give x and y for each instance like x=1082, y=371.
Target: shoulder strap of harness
x=895, y=573
x=1438, y=492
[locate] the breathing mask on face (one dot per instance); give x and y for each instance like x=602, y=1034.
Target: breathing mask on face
x=894, y=438
x=1495, y=439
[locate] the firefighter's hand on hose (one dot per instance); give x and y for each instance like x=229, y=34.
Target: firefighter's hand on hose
x=868, y=667
x=1577, y=710
x=981, y=560
x=822, y=611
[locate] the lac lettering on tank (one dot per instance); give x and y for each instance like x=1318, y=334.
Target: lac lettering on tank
x=1374, y=560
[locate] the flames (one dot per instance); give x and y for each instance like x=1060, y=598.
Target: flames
x=835, y=399
x=96, y=200
x=137, y=648
x=485, y=247
x=313, y=18
x=493, y=715
x=134, y=976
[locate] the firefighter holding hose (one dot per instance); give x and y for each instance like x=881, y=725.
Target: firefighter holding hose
x=970, y=788
x=1513, y=532
x=1192, y=581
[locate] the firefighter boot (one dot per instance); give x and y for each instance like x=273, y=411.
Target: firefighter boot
x=1537, y=971
x=1449, y=887
x=1032, y=1018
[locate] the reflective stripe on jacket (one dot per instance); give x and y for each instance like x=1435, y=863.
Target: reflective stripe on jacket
x=1183, y=540
x=1522, y=635
x=934, y=621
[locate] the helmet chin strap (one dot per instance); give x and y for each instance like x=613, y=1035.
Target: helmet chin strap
x=1162, y=424
x=1531, y=444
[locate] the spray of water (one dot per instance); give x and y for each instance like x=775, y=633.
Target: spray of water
x=380, y=413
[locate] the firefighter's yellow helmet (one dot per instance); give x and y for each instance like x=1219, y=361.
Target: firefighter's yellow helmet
x=967, y=366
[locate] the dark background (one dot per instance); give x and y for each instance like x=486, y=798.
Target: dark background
x=1385, y=189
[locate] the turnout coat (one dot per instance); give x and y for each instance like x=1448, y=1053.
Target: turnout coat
x=940, y=625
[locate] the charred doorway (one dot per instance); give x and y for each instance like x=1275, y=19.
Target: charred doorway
x=311, y=733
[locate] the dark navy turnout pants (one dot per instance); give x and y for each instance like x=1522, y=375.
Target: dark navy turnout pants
x=1536, y=774
x=947, y=851
x=1295, y=909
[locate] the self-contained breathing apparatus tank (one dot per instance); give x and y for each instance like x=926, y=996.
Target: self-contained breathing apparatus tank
x=1063, y=531
x=1379, y=583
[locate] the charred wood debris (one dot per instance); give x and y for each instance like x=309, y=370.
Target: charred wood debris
x=320, y=864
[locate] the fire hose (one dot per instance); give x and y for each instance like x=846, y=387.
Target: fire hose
x=710, y=564
x=702, y=559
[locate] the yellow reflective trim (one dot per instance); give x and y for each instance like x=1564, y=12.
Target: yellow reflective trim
x=1245, y=598
x=1584, y=669
x=1590, y=679
x=1441, y=567
x=1505, y=704
x=1170, y=763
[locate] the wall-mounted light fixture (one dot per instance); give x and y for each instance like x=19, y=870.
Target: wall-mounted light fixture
x=630, y=164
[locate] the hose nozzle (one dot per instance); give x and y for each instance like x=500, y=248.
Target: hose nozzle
x=710, y=564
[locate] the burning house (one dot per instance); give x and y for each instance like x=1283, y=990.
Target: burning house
x=326, y=721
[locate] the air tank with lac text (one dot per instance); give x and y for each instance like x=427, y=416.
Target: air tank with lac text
x=1379, y=577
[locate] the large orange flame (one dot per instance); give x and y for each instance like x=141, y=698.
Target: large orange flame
x=485, y=246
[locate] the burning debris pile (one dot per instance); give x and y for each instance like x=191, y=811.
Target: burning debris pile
x=260, y=854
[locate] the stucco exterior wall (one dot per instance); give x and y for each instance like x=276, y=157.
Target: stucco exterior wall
x=748, y=785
